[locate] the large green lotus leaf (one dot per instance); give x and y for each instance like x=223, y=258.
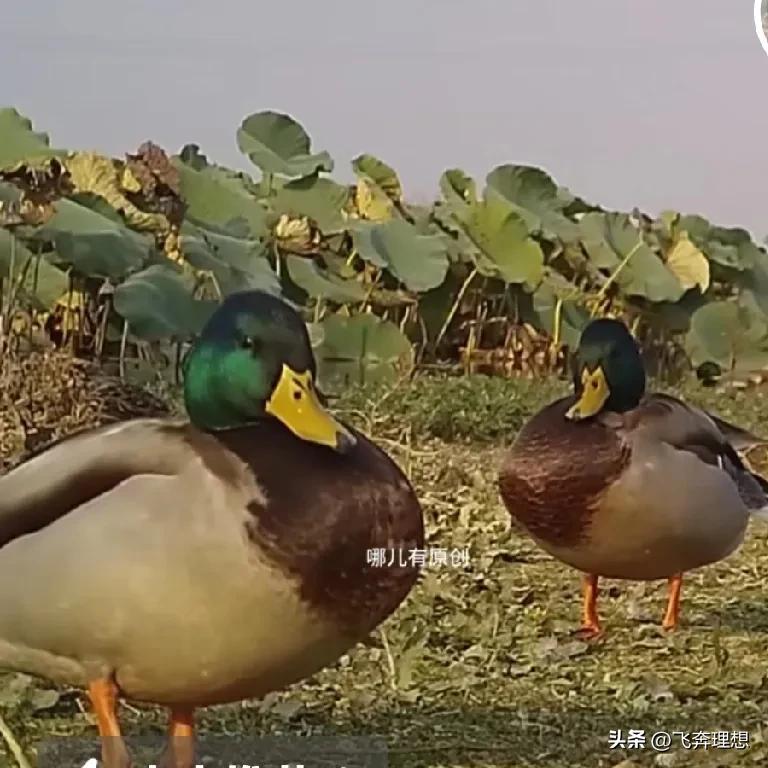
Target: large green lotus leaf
x=460, y=248
x=418, y=261
x=730, y=334
x=91, y=243
x=609, y=238
x=696, y=226
x=423, y=221
x=499, y=231
x=731, y=248
x=217, y=197
x=605, y=236
x=43, y=282
x=98, y=204
x=276, y=143
x=238, y=180
x=667, y=223
x=730, y=238
x=158, y=304
x=443, y=216
x=18, y=142
x=674, y=317
x=237, y=263
x=361, y=349
x=322, y=284
x=459, y=190
x=755, y=281
x=725, y=255
x=382, y=175
x=573, y=318
x=321, y=199
x=537, y=198
x=649, y=278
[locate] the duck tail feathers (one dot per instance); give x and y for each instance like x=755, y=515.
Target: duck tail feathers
x=761, y=513
x=759, y=508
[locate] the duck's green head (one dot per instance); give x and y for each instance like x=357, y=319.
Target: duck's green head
x=608, y=371
x=253, y=360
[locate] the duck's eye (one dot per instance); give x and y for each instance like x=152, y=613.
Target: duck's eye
x=251, y=343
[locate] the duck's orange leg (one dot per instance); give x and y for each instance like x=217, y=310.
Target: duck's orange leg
x=590, y=622
x=103, y=696
x=673, y=603
x=180, y=752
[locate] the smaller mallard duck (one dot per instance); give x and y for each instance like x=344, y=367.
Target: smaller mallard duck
x=627, y=485
x=204, y=562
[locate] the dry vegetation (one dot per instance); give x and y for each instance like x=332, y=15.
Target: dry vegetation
x=480, y=666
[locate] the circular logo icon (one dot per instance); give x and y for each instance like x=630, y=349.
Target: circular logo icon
x=761, y=22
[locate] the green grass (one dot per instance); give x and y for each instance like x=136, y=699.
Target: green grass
x=480, y=667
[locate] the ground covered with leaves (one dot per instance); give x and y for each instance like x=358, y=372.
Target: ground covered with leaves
x=480, y=667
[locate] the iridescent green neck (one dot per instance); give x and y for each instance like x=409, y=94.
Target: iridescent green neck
x=223, y=387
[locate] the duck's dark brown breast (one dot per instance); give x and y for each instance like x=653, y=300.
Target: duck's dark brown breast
x=324, y=511
x=556, y=471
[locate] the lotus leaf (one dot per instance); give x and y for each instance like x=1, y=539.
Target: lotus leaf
x=499, y=231
x=730, y=334
x=92, y=243
x=615, y=245
x=537, y=198
x=18, y=142
x=323, y=284
x=42, y=281
x=276, y=143
x=322, y=200
x=215, y=197
x=359, y=349
x=556, y=301
x=418, y=261
x=237, y=264
x=157, y=303
x=458, y=189
x=381, y=174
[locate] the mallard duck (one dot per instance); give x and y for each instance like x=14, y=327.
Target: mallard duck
x=191, y=563
x=623, y=484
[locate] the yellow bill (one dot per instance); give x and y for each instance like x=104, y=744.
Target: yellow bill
x=593, y=396
x=294, y=401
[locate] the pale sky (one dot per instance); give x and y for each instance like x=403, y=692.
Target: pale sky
x=655, y=103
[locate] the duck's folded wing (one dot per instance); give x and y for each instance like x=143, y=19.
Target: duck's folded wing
x=82, y=467
x=666, y=419
x=740, y=439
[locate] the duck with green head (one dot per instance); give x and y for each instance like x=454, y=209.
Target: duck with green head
x=199, y=562
x=625, y=484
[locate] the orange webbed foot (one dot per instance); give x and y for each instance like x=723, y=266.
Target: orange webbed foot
x=590, y=622
x=180, y=752
x=672, y=614
x=103, y=694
